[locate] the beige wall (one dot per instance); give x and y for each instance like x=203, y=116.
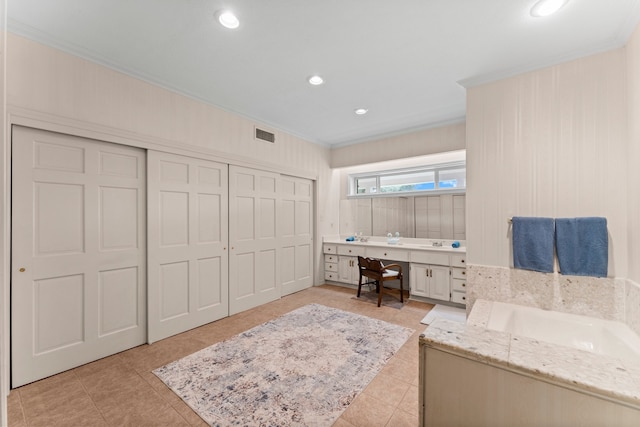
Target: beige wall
x=551, y=143
x=4, y=241
x=420, y=143
x=633, y=157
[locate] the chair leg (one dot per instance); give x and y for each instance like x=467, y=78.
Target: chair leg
x=380, y=293
x=359, y=285
x=401, y=291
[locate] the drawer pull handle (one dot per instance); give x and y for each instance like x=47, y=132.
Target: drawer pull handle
x=464, y=285
x=385, y=254
x=464, y=273
x=464, y=298
x=462, y=261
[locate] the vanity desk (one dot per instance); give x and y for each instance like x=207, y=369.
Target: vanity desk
x=437, y=271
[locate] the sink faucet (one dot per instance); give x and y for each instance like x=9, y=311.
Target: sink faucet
x=437, y=244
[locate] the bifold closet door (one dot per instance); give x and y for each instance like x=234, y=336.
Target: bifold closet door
x=296, y=222
x=188, y=243
x=78, y=285
x=254, y=237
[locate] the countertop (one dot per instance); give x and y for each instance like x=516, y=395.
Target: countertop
x=578, y=369
x=407, y=243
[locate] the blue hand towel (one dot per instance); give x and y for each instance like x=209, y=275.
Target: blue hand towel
x=533, y=243
x=582, y=245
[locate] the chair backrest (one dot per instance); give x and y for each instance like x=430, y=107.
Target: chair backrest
x=370, y=267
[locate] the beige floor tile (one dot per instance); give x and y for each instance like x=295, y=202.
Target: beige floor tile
x=15, y=415
x=189, y=415
x=70, y=406
x=122, y=390
x=402, y=369
x=410, y=402
x=47, y=385
x=340, y=422
x=387, y=389
x=367, y=411
x=139, y=405
x=403, y=419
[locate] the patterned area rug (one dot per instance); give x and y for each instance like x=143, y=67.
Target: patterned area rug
x=301, y=369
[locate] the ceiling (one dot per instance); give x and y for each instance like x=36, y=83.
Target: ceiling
x=408, y=62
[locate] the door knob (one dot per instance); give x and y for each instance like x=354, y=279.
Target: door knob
x=22, y=270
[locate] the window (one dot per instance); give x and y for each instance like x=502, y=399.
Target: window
x=443, y=178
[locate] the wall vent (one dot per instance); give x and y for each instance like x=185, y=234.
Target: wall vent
x=263, y=135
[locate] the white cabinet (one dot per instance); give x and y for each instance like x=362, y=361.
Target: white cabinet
x=434, y=274
x=348, y=269
x=341, y=262
x=348, y=263
x=430, y=281
x=331, y=266
x=458, y=279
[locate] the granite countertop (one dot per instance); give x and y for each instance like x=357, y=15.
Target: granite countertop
x=579, y=369
x=407, y=243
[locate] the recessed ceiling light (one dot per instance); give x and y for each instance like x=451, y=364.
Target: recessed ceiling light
x=227, y=19
x=316, y=80
x=547, y=7
x=361, y=111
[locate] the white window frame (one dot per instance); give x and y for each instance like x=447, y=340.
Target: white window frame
x=437, y=169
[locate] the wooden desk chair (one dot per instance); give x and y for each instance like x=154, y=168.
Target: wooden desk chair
x=379, y=273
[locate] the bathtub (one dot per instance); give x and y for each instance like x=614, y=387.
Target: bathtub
x=585, y=333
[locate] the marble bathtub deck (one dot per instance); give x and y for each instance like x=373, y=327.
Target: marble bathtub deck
x=597, y=374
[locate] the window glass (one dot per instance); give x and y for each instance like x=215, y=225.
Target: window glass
x=366, y=185
x=452, y=178
x=435, y=178
x=414, y=181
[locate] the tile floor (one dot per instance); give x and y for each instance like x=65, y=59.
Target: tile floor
x=121, y=390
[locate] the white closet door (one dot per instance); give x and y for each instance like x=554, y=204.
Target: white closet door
x=78, y=252
x=188, y=239
x=254, y=205
x=296, y=223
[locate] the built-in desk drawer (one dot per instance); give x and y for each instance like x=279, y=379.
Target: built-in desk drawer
x=329, y=275
x=330, y=266
x=329, y=249
x=459, y=297
x=429, y=257
x=390, y=254
x=459, y=285
x=330, y=258
x=350, y=250
x=459, y=273
x=458, y=260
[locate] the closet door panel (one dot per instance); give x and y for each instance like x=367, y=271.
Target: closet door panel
x=297, y=234
x=78, y=253
x=188, y=243
x=254, y=236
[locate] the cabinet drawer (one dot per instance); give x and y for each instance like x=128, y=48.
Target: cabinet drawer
x=390, y=254
x=459, y=273
x=330, y=266
x=426, y=257
x=330, y=258
x=328, y=249
x=350, y=250
x=458, y=260
x=459, y=297
x=459, y=285
x=330, y=275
